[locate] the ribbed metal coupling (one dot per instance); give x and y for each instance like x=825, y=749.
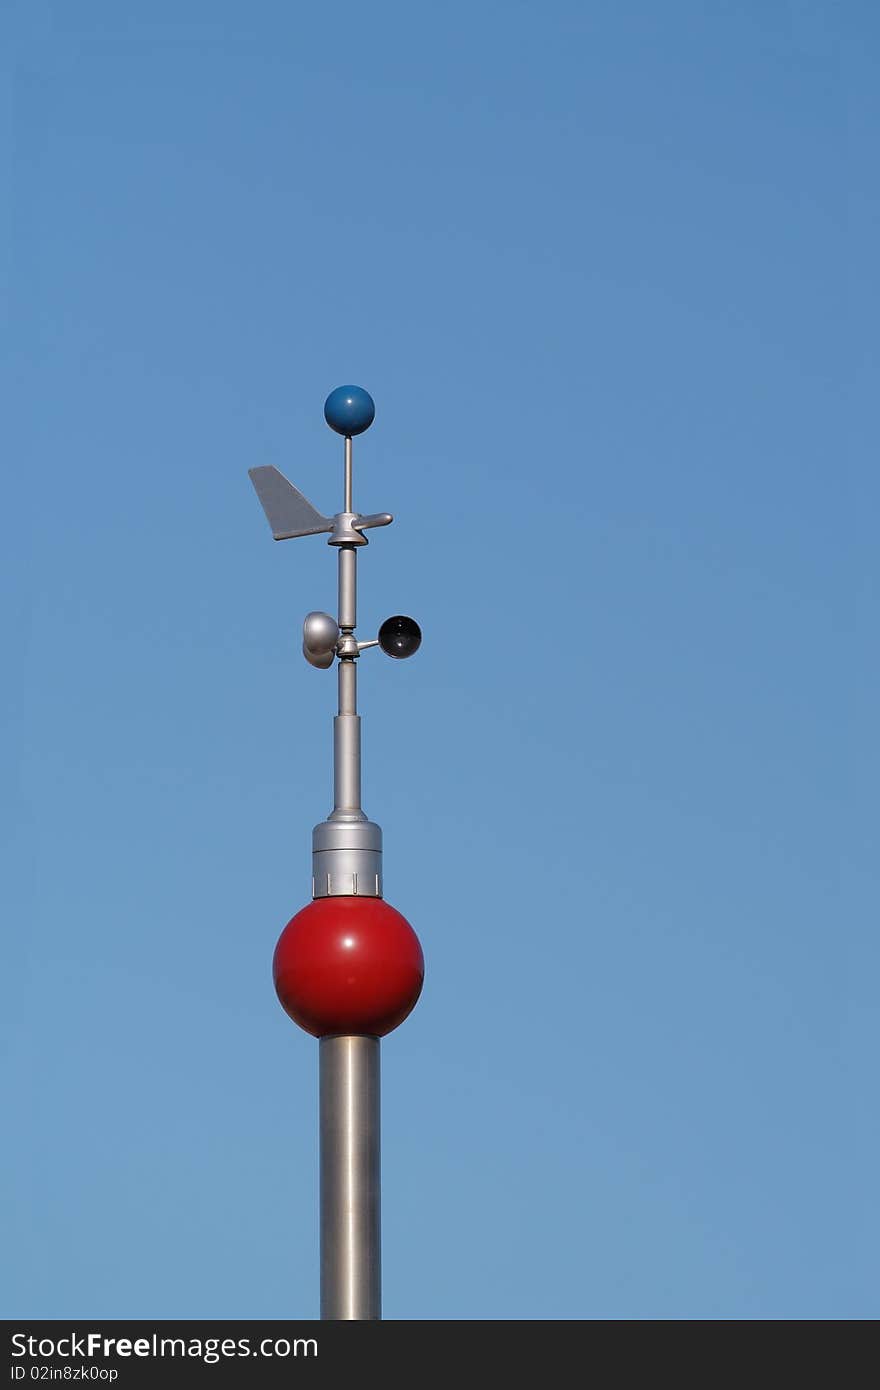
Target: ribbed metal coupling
x=347, y=859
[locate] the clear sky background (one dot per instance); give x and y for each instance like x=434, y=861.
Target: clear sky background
x=610, y=273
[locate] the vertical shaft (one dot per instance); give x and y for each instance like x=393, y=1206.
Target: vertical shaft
x=347, y=616
x=347, y=757
x=348, y=506
x=347, y=724
x=351, y=1285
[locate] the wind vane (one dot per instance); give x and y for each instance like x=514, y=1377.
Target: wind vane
x=348, y=968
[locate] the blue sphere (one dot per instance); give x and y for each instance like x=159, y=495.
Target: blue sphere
x=349, y=410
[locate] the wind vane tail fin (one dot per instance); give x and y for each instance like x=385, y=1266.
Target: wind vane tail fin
x=289, y=513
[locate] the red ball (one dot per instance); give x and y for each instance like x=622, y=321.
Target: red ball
x=348, y=965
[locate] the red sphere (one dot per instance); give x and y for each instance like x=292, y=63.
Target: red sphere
x=348, y=965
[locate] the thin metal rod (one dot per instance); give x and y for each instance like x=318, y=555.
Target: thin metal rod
x=347, y=685
x=351, y=1273
x=347, y=617
x=348, y=588
x=347, y=725
x=348, y=507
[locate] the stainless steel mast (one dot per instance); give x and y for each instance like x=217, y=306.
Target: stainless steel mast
x=348, y=968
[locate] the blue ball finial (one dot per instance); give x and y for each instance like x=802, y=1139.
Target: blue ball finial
x=349, y=410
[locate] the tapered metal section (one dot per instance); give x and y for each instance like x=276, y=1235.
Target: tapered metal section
x=351, y=1282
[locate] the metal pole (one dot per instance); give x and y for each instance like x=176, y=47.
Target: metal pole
x=351, y=1285
x=351, y=1281
x=347, y=724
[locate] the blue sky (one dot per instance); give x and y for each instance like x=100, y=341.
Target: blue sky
x=610, y=274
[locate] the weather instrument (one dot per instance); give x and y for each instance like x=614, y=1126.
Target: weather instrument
x=348, y=968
